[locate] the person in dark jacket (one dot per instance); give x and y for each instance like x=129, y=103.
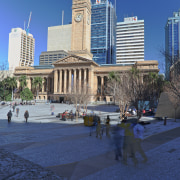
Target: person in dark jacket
x=9, y=115
x=26, y=115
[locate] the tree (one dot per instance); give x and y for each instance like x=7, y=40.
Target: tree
x=7, y=87
x=80, y=95
x=118, y=86
x=23, y=82
x=26, y=94
x=172, y=88
x=12, y=83
x=37, y=84
x=113, y=80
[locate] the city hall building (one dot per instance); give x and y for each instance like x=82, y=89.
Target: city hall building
x=77, y=71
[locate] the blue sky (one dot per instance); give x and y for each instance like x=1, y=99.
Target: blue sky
x=46, y=13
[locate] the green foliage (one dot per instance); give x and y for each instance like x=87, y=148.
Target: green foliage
x=26, y=94
x=6, y=88
x=23, y=82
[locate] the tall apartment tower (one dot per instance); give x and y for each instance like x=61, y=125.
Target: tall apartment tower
x=130, y=41
x=172, y=42
x=21, y=48
x=103, y=32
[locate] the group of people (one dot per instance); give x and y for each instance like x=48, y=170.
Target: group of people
x=9, y=114
x=126, y=138
x=129, y=136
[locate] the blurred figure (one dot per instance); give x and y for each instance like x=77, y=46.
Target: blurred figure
x=26, y=115
x=128, y=145
x=52, y=109
x=107, y=126
x=98, y=129
x=139, y=135
x=9, y=115
x=17, y=111
x=13, y=107
x=118, y=138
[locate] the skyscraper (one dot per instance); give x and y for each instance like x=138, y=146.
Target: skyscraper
x=59, y=38
x=172, y=41
x=103, y=32
x=130, y=41
x=21, y=48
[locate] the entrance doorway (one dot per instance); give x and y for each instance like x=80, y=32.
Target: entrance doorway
x=61, y=99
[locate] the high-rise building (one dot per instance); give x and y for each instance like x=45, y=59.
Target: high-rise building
x=103, y=32
x=130, y=41
x=59, y=38
x=21, y=48
x=172, y=41
x=49, y=57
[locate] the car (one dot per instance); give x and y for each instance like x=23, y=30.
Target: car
x=3, y=103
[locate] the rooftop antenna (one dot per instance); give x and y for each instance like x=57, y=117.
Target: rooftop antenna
x=63, y=17
x=27, y=29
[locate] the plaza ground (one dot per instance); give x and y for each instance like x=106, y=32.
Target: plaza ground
x=55, y=149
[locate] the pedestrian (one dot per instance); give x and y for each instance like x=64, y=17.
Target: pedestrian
x=17, y=111
x=71, y=115
x=107, y=126
x=26, y=115
x=98, y=129
x=52, y=109
x=13, y=107
x=118, y=137
x=9, y=115
x=138, y=137
x=128, y=144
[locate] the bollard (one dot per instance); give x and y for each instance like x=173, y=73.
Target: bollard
x=165, y=118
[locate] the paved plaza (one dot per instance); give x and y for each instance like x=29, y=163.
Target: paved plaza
x=48, y=148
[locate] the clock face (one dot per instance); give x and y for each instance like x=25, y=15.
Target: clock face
x=78, y=17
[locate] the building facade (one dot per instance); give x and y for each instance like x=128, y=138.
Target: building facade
x=103, y=32
x=74, y=73
x=59, y=38
x=50, y=57
x=21, y=48
x=130, y=41
x=172, y=41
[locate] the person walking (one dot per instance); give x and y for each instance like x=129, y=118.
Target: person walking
x=107, y=126
x=128, y=144
x=26, y=115
x=9, y=115
x=138, y=137
x=118, y=138
x=98, y=129
x=13, y=107
x=17, y=111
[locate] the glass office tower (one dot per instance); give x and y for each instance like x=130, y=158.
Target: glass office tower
x=103, y=32
x=172, y=41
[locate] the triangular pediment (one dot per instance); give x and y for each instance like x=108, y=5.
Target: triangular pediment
x=73, y=59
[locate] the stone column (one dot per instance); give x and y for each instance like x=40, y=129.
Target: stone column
x=47, y=85
x=80, y=83
x=55, y=81
x=43, y=85
x=102, y=85
x=74, y=80
x=89, y=80
x=65, y=80
x=60, y=81
x=70, y=77
x=85, y=79
x=29, y=83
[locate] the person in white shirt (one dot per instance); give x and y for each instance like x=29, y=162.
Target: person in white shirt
x=138, y=137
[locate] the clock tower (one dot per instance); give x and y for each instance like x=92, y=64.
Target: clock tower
x=81, y=28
